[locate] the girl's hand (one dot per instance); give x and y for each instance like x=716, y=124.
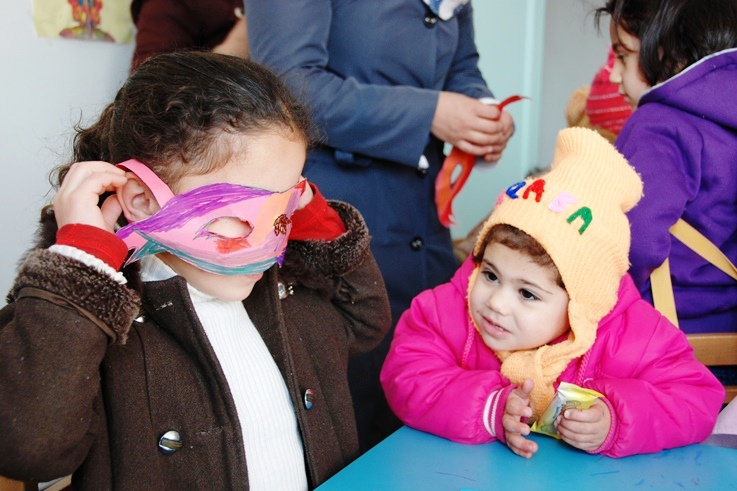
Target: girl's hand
x=518, y=407
x=77, y=198
x=585, y=429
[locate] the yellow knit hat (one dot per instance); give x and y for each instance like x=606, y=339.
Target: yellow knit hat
x=576, y=211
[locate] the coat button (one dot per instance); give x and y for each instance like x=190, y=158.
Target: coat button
x=284, y=290
x=309, y=398
x=170, y=442
x=430, y=21
x=416, y=243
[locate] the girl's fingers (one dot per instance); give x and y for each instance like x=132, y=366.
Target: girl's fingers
x=79, y=194
x=80, y=171
x=111, y=211
x=97, y=177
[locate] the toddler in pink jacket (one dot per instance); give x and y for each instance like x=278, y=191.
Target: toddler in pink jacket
x=545, y=298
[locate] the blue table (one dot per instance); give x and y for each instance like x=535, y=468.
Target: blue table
x=413, y=460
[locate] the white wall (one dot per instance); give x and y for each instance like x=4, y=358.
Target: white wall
x=543, y=49
x=574, y=51
x=46, y=86
x=509, y=38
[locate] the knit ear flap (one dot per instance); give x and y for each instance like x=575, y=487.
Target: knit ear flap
x=583, y=321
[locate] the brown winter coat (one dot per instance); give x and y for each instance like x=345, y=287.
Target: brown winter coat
x=75, y=399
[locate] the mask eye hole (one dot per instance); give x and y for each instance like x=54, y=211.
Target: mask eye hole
x=229, y=228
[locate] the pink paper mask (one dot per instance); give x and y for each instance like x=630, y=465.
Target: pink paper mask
x=180, y=227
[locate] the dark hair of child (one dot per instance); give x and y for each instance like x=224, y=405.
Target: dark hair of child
x=519, y=241
x=165, y=117
x=674, y=34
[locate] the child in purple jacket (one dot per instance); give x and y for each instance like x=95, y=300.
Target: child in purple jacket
x=676, y=62
x=546, y=298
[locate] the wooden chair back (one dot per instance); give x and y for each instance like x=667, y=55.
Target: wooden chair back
x=12, y=485
x=715, y=350
x=64, y=484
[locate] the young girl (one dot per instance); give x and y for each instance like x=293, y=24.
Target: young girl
x=676, y=62
x=201, y=366
x=544, y=299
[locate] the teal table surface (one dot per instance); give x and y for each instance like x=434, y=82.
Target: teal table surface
x=413, y=460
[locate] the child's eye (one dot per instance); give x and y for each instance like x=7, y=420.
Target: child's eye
x=528, y=295
x=491, y=276
x=620, y=56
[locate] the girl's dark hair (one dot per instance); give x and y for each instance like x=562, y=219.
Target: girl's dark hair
x=174, y=110
x=517, y=240
x=674, y=34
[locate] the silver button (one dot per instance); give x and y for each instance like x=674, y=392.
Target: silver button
x=309, y=398
x=170, y=442
x=284, y=290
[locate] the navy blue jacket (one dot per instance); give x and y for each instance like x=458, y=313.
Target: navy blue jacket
x=372, y=72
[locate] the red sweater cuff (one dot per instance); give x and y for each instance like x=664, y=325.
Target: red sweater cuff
x=100, y=243
x=317, y=220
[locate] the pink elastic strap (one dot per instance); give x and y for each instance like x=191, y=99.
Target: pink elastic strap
x=160, y=190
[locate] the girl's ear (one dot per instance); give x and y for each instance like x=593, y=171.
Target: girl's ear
x=136, y=199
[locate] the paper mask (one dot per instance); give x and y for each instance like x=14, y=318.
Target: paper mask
x=181, y=226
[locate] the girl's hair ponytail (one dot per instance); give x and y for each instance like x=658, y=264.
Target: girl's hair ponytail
x=93, y=143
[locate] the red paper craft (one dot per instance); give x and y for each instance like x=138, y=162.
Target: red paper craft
x=446, y=189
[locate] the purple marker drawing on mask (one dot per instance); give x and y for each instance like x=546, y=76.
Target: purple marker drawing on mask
x=181, y=226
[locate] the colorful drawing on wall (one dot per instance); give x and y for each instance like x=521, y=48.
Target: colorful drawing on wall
x=88, y=20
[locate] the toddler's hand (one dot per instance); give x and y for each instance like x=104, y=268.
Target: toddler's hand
x=585, y=429
x=518, y=407
x=77, y=198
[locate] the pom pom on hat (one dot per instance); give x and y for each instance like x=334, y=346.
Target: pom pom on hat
x=576, y=211
x=576, y=108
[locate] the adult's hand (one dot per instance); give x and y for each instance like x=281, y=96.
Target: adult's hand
x=472, y=126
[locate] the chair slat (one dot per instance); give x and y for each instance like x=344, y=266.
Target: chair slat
x=716, y=349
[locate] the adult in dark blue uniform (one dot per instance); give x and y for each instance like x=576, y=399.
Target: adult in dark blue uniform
x=389, y=82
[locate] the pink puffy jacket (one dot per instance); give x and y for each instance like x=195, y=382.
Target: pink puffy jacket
x=439, y=377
